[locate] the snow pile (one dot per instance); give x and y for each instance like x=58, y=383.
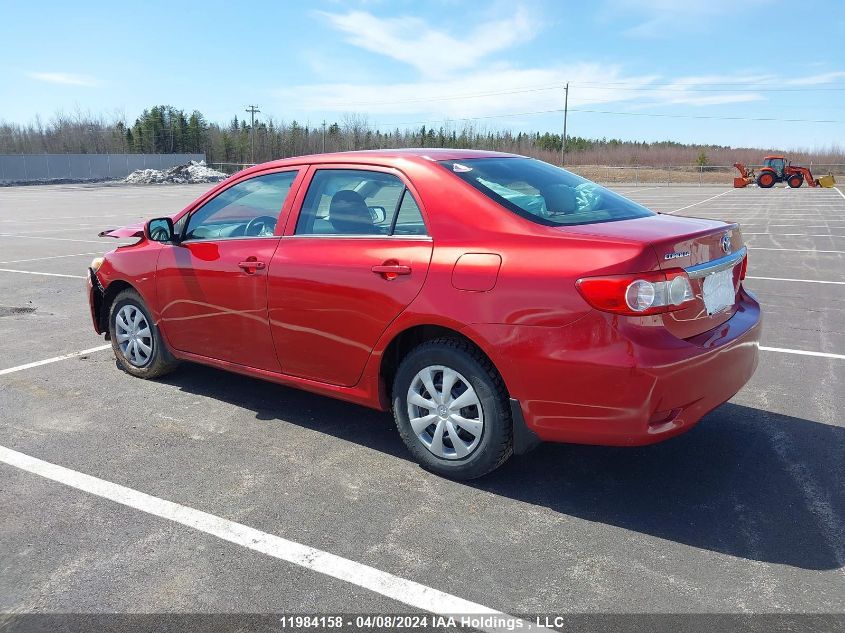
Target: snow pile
x=192, y=173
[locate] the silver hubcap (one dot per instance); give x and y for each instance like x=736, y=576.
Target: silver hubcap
x=445, y=412
x=133, y=335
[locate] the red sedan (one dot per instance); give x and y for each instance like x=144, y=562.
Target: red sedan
x=490, y=301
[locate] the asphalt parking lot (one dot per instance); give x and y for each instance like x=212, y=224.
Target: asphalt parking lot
x=743, y=514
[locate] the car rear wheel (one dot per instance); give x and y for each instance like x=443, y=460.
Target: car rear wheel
x=451, y=409
x=136, y=341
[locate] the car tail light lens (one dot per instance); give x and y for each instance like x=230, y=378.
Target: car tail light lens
x=743, y=268
x=638, y=295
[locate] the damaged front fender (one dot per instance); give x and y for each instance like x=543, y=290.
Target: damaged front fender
x=96, y=293
x=128, y=231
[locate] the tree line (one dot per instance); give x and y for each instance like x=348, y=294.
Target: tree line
x=165, y=129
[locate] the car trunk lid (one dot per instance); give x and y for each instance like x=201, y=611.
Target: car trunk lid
x=704, y=248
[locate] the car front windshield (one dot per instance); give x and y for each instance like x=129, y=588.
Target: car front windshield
x=544, y=193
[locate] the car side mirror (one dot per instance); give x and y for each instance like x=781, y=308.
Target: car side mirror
x=160, y=230
x=379, y=214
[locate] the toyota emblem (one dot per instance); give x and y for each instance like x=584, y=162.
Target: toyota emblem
x=726, y=243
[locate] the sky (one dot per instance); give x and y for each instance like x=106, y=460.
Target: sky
x=696, y=72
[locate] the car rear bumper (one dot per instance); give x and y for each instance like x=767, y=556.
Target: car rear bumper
x=95, y=299
x=609, y=381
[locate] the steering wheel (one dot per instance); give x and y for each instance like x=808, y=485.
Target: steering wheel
x=262, y=225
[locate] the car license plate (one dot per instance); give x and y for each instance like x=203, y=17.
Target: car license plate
x=719, y=292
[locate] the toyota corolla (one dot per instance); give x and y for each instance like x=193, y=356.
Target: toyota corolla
x=491, y=301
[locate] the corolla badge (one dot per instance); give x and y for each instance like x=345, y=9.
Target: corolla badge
x=725, y=243
x=677, y=255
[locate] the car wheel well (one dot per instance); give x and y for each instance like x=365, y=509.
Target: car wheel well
x=407, y=340
x=113, y=289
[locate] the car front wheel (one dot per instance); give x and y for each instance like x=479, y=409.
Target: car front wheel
x=451, y=409
x=136, y=341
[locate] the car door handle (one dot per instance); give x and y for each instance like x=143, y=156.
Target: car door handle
x=251, y=265
x=391, y=271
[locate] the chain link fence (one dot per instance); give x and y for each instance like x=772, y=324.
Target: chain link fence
x=677, y=175
x=57, y=168
x=43, y=168
x=230, y=168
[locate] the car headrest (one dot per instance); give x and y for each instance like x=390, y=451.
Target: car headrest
x=560, y=199
x=348, y=213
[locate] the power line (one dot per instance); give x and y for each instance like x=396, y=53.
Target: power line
x=495, y=93
x=673, y=87
x=705, y=116
x=610, y=112
x=681, y=82
x=683, y=88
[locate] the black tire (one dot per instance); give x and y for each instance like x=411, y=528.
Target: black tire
x=160, y=361
x=795, y=181
x=496, y=443
x=766, y=180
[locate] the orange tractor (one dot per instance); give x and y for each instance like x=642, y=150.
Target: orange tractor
x=777, y=169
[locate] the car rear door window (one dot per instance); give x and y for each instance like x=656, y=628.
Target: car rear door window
x=358, y=202
x=248, y=209
x=409, y=220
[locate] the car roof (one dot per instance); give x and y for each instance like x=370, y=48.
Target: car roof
x=384, y=156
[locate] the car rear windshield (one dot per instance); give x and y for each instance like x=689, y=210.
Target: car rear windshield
x=544, y=193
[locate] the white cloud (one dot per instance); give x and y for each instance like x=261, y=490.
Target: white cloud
x=703, y=90
x=459, y=82
x=484, y=88
x=502, y=90
x=700, y=100
x=665, y=17
x=68, y=79
x=433, y=52
x=814, y=80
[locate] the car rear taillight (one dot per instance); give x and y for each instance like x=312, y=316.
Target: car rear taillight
x=638, y=295
x=744, y=267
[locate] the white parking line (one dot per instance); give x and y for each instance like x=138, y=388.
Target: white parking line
x=635, y=190
x=797, y=225
x=383, y=583
x=802, y=352
x=806, y=281
x=839, y=192
x=32, y=272
x=798, y=234
x=61, y=229
x=69, y=217
x=38, y=259
x=795, y=250
x=55, y=359
x=695, y=204
x=40, y=237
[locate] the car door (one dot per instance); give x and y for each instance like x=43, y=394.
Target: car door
x=351, y=261
x=212, y=284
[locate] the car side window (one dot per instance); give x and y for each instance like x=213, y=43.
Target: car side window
x=248, y=209
x=358, y=202
x=409, y=220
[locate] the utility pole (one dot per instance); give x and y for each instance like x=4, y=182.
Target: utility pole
x=324, y=136
x=252, y=111
x=565, y=113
